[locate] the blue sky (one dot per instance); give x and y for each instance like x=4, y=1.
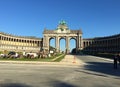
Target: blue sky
x=96, y=18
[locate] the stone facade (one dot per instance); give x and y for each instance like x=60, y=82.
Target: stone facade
x=109, y=44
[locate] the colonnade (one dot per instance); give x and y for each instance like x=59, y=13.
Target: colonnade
x=103, y=44
x=9, y=42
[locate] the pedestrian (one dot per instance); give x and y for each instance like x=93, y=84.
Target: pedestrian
x=115, y=62
x=119, y=58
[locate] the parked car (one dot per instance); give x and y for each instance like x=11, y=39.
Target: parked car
x=2, y=55
x=12, y=54
x=31, y=55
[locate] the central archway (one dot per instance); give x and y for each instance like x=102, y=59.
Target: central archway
x=62, y=42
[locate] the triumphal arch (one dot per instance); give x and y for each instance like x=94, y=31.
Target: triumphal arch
x=62, y=31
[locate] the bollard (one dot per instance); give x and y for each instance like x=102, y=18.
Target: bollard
x=74, y=60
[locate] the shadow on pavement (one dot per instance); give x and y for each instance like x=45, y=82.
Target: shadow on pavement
x=55, y=83
x=13, y=85
x=62, y=84
x=103, y=67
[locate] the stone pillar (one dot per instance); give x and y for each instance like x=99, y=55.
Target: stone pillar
x=77, y=44
x=67, y=45
x=57, y=46
x=0, y=42
x=81, y=43
x=38, y=43
x=46, y=43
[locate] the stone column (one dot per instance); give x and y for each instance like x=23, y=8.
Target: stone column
x=77, y=44
x=0, y=40
x=38, y=43
x=67, y=45
x=57, y=44
x=46, y=43
x=80, y=42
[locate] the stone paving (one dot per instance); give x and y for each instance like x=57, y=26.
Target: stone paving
x=70, y=72
x=72, y=59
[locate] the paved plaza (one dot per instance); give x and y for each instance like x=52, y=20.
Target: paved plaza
x=72, y=71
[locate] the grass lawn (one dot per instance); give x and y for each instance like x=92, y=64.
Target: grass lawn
x=59, y=59
x=34, y=59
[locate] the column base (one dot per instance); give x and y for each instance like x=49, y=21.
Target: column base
x=67, y=51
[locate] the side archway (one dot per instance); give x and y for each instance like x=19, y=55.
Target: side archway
x=52, y=44
x=73, y=45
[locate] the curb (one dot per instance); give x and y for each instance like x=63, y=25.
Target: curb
x=39, y=63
